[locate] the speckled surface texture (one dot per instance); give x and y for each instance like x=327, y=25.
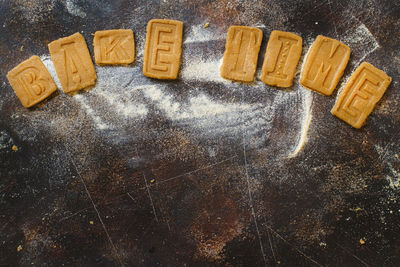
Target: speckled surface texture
x=199, y=171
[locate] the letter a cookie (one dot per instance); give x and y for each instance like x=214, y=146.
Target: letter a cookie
x=73, y=63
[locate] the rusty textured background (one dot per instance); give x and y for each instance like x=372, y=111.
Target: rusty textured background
x=92, y=185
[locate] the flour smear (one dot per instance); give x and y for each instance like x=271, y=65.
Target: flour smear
x=123, y=95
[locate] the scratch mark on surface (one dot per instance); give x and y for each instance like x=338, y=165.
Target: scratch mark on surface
x=94, y=205
x=307, y=116
x=288, y=243
x=352, y=254
x=4, y=226
x=315, y=7
x=333, y=21
x=150, y=185
x=194, y=171
x=130, y=196
x=151, y=199
x=251, y=201
x=270, y=244
x=73, y=215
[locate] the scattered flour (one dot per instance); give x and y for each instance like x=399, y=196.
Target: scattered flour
x=89, y=110
x=361, y=41
x=388, y=156
x=199, y=106
x=33, y=10
x=203, y=70
x=200, y=34
x=46, y=59
x=73, y=9
x=124, y=93
x=306, y=121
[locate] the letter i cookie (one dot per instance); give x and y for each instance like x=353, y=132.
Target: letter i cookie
x=281, y=58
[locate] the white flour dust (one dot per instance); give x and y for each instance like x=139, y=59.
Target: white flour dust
x=305, y=125
x=204, y=70
x=390, y=158
x=198, y=34
x=73, y=9
x=89, y=110
x=361, y=42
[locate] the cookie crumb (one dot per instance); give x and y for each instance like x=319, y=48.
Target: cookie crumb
x=21, y=48
x=206, y=25
x=91, y=222
x=362, y=242
x=19, y=248
x=152, y=181
x=14, y=148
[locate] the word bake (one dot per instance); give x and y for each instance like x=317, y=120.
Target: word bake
x=322, y=69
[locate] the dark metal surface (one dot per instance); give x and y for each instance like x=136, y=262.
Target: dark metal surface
x=198, y=171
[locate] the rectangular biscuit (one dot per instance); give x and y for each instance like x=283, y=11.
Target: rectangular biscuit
x=241, y=53
x=324, y=65
x=114, y=47
x=31, y=81
x=72, y=61
x=363, y=90
x=163, y=49
x=281, y=58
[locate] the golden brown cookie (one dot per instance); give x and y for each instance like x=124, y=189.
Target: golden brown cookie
x=114, y=47
x=31, y=81
x=163, y=49
x=324, y=65
x=281, y=58
x=72, y=61
x=362, y=91
x=241, y=53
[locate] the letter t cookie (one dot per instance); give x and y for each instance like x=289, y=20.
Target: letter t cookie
x=241, y=53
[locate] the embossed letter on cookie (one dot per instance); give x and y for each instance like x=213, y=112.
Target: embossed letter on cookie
x=241, y=53
x=281, y=58
x=73, y=64
x=162, y=54
x=364, y=89
x=31, y=81
x=114, y=47
x=325, y=64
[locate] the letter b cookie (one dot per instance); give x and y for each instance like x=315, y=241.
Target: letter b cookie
x=31, y=81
